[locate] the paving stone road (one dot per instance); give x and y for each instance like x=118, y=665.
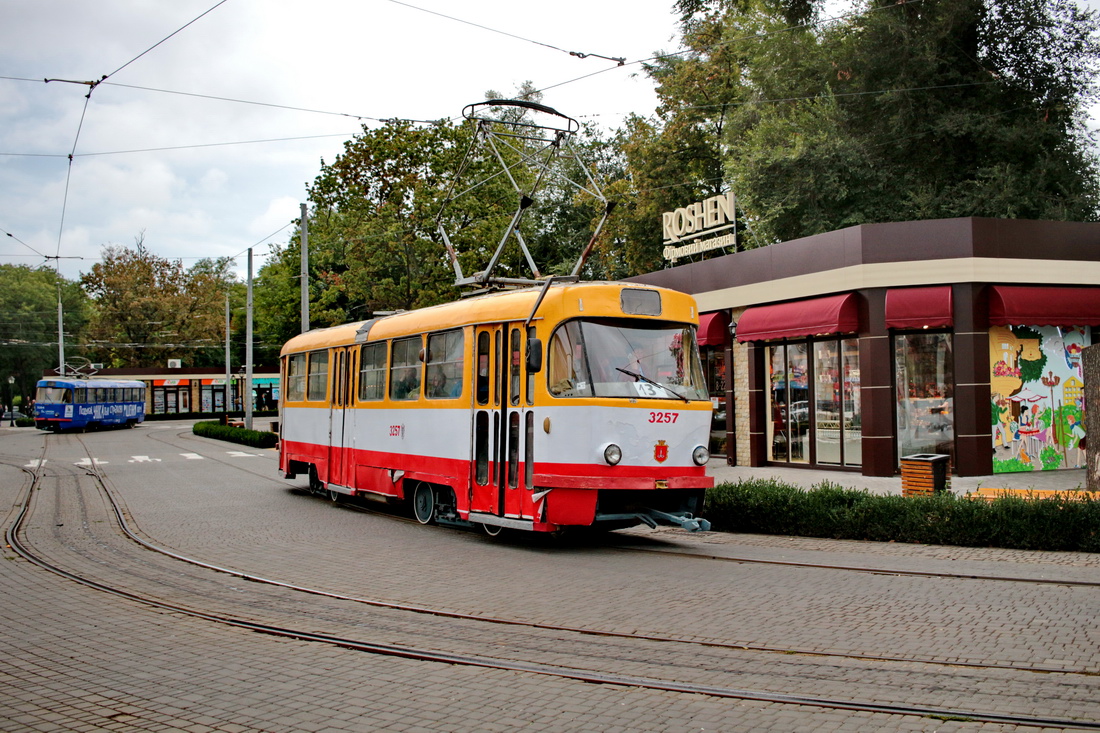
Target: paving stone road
x=74, y=658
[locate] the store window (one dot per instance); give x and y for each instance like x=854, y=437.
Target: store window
x=789, y=403
x=925, y=379
x=838, y=431
x=814, y=403
x=714, y=371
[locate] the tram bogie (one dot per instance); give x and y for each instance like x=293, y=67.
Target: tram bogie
x=88, y=404
x=536, y=409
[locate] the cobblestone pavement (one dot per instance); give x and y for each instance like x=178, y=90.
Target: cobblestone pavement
x=73, y=658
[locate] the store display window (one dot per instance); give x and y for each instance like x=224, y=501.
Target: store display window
x=925, y=380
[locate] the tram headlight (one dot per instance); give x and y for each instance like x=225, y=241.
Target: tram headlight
x=700, y=455
x=612, y=454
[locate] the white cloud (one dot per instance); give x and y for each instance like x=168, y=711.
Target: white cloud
x=372, y=58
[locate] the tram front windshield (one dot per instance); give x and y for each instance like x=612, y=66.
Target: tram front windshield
x=625, y=358
x=53, y=395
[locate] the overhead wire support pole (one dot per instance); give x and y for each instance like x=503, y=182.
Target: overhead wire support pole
x=247, y=395
x=227, y=405
x=305, y=267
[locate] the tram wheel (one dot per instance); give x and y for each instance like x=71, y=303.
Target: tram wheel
x=315, y=485
x=423, y=503
x=333, y=496
x=493, y=530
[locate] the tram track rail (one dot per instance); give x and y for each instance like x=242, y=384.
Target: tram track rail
x=743, y=559
x=101, y=481
x=762, y=648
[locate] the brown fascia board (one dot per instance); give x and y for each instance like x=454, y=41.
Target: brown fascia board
x=932, y=239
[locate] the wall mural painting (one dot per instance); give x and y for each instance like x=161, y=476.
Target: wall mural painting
x=1037, y=390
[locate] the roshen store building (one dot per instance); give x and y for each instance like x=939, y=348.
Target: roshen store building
x=855, y=348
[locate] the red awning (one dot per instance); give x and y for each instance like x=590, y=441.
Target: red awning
x=832, y=314
x=919, y=307
x=713, y=328
x=1016, y=305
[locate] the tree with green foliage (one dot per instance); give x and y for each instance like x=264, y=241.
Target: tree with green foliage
x=377, y=210
x=28, y=325
x=898, y=111
x=149, y=309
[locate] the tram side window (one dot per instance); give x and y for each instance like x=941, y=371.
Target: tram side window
x=405, y=369
x=53, y=395
x=515, y=365
x=317, y=381
x=445, y=360
x=483, y=368
x=567, y=374
x=372, y=372
x=296, y=378
x=81, y=395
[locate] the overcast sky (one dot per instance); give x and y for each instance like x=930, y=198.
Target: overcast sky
x=340, y=59
x=370, y=58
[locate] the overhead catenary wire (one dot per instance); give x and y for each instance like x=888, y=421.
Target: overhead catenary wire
x=104, y=81
x=620, y=60
x=76, y=139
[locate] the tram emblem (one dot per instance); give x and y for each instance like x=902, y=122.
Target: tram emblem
x=660, y=451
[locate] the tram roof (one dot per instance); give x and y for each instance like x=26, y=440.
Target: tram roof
x=72, y=382
x=601, y=299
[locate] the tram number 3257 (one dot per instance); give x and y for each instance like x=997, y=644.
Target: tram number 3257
x=663, y=417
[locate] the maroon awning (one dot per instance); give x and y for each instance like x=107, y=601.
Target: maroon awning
x=831, y=314
x=919, y=307
x=713, y=328
x=1019, y=305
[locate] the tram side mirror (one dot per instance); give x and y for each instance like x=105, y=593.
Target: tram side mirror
x=534, y=355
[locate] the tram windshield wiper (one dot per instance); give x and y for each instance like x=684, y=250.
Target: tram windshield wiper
x=644, y=378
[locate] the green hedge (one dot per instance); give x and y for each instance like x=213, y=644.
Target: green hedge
x=24, y=422
x=251, y=438
x=198, y=415
x=829, y=510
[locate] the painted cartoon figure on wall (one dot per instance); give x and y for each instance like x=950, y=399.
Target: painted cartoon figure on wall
x=1037, y=397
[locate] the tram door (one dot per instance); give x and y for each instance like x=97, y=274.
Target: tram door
x=500, y=384
x=340, y=397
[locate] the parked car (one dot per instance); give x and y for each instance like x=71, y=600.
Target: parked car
x=8, y=415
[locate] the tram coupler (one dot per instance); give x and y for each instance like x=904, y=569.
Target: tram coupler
x=682, y=519
x=653, y=517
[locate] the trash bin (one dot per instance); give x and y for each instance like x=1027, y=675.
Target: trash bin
x=925, y=474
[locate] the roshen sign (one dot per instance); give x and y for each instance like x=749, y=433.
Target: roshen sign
x=709, y=216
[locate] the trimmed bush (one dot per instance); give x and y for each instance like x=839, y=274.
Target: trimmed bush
x=24, y=422
x=829, y=510
x=251, y=438
x=199, y=415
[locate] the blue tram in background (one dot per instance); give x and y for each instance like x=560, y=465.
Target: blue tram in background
x=80, y=404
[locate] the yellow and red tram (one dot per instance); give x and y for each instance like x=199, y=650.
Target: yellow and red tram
x=461, y=411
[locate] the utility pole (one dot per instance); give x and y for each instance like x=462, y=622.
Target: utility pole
x=305, y=268
x=228, y=404
x=247, y=396
x=60, y=329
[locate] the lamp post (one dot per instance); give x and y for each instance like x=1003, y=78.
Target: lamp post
x=11, y=398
